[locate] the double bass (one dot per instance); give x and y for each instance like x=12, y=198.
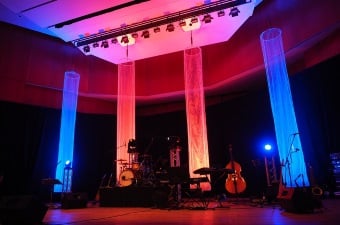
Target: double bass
x=235, y=183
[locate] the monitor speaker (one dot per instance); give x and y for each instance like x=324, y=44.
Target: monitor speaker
x=74, y=200
x=296, y=200
x=23, y=210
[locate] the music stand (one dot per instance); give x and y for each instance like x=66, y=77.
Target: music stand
x=50, y=182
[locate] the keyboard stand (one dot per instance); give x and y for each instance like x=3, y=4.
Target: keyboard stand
x=196, y=196
x=223, y=172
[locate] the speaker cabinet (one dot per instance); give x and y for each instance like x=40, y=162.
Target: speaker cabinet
x=23, y=210
x=74, y=200
x=296, y=200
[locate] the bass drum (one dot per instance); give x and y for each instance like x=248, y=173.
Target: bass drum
x=128, y=177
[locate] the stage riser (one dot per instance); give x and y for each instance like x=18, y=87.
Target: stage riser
x=126, y=197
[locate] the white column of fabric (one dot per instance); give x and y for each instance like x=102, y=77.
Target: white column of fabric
x=67, y=127
x=125, y=111
x=294, y=173
x=195, y=111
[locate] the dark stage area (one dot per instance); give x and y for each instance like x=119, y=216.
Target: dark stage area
x=127, y=196
x=29, y=211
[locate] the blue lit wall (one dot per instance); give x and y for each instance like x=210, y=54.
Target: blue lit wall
x=68, y=118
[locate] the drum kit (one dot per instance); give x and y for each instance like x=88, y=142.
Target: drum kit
x=138, y=171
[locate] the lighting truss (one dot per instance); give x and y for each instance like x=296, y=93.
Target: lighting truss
x=158, y=21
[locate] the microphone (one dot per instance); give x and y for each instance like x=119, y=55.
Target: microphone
x=296, y=133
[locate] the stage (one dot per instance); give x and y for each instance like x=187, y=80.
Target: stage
x=129, y=196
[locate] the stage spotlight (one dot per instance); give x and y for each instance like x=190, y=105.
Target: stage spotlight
x=68, y=164
x=134, y=35
x=234, y=12
x=170, y=27
x=114, y=41
x=189, y=26
x=86, y=49
x=146, y=34
x=105, y=44
x=194, y=20
x=267, y=147
x=124, y=39
x=207, y=18
x=95, y=45
x=156, y=29
x=182, y=23
x=220, y=13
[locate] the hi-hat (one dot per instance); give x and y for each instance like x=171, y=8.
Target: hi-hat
x=120, y=160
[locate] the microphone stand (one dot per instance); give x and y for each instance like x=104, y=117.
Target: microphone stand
x=289, y=156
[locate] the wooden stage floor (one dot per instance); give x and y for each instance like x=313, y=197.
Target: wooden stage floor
x=230, y=211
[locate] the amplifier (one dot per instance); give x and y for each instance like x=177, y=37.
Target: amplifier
x=74, y=200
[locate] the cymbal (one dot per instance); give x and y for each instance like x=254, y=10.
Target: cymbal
x=120, y=160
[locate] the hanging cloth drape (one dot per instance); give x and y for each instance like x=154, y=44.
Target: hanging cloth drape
x=67, y=127
x=287, y=134
x=125, y=111
x=198, y=155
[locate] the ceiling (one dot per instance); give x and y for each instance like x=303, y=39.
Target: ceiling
x=317, y=41
x=77, y=20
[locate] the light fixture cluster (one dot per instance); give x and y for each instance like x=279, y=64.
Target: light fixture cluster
x=186, y=19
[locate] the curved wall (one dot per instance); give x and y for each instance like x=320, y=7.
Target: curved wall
x=32, y=65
